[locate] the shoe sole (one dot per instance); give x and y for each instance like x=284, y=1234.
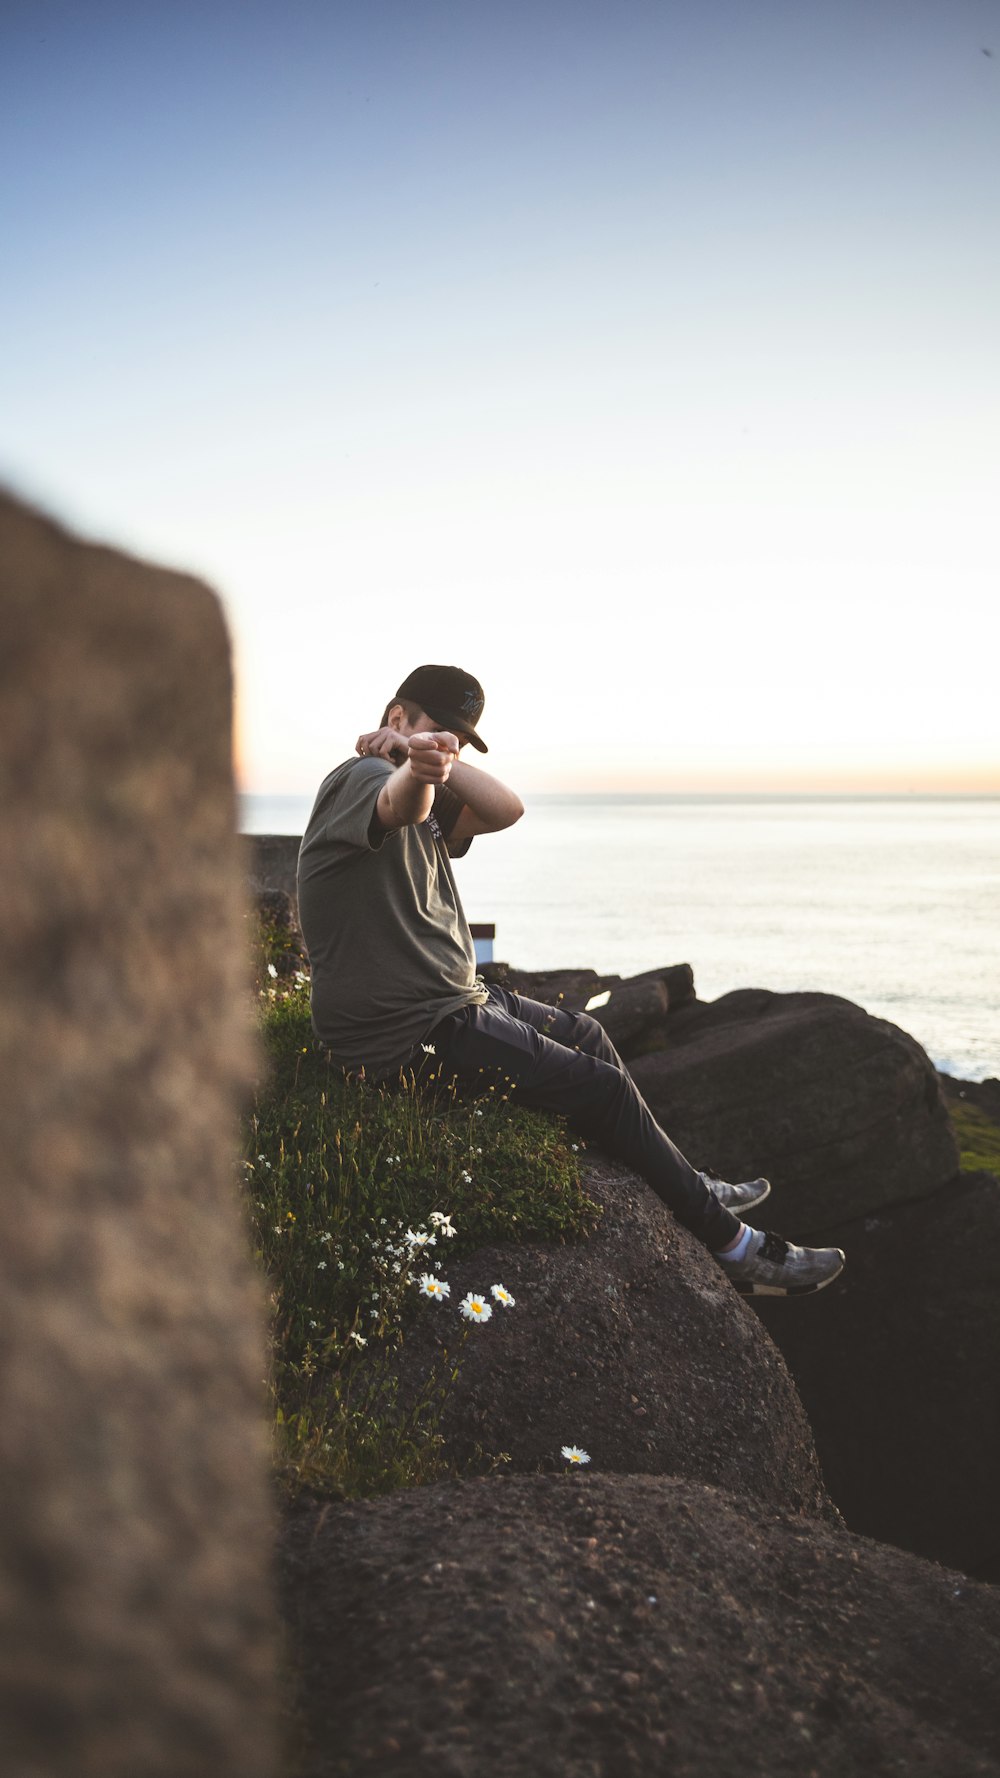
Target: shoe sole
x=746, y=1287
x=751, y=1203
x=747, y=1204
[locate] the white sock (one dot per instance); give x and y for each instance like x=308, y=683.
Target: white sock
x=742, y=1247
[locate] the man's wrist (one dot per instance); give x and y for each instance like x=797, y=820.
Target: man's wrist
x=409, y=797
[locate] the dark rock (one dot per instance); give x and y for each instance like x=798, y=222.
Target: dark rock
x=898, y=1367
x=570, y=988
x=983, y=1093
x=276, y=907
x=592, y=1626
x=677, y=978
x=135, y=1608
x=631, y=1344
x=270, y=861
x=841, y=1111
x=631, y=1010
x=573, y=988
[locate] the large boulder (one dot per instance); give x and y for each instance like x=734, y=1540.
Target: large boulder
x=135, y=1605
x=589, y=1626
x=898, y=1368
x=632, y=1345
x=842, y=1112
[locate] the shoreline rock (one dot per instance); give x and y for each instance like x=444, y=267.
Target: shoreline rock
x=897, y=1370
x=843, y=1112
x=582, y=1625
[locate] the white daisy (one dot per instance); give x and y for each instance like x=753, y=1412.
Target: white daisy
x=434, y=1287
x=272, y=971
x=573, y=1454
x=420, y=1239
x=443, y=1224
x=502, y=1296
x=476, y=1308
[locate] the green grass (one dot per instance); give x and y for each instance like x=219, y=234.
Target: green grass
x=342, y=1181
x=978, y=1138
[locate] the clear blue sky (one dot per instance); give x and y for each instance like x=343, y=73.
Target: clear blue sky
x=641, y=358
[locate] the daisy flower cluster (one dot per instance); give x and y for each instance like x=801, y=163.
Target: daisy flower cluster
x=392, y=1253
x=474, y=1306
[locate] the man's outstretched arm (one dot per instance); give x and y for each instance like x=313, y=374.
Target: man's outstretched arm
x=489, y=806
x=424, y=761
x=407, y=797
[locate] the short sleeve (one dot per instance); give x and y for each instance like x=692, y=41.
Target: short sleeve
x=350, y=818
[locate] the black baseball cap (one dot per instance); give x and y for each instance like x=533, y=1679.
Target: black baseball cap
x=451, y=696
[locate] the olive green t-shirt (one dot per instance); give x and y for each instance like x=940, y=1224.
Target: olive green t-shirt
x=389, y=945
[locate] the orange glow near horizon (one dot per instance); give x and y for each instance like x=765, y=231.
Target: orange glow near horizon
x=896, y=781
x=928, y=781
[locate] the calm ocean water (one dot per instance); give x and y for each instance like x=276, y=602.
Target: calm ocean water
x=893, y=902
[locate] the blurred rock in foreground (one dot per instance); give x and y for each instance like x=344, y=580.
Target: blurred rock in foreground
x=135, y=1607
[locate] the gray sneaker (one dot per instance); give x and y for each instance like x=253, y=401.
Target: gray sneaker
x=738, y=1197
x=773, y=1267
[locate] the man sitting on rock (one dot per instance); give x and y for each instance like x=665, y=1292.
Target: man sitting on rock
x=394, y=971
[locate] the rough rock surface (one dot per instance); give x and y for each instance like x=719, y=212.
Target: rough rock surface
x=898, y=1367
x=135, y=1608
x=631, y=1344
x=843, y=1112
x=590, y=1626
x=572, y=988
x=631, y=1010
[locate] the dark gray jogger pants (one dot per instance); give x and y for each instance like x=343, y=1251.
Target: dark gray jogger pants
x=564, y=1062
